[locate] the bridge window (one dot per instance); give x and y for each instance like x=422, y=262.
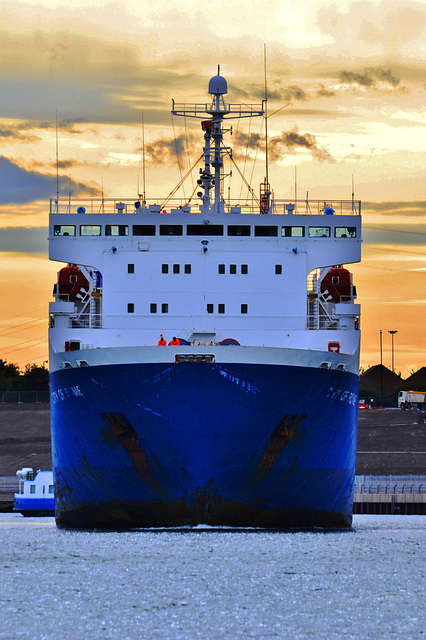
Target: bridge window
x=171, y=229
x=32, y=488
x=153, y=307
x=176, y=268
x=64, y=230
x=164, y=308
x=265, y=230
x=204, y=229
x=345, y=232
x=319, y=232
x=130, y=307
x=143, y=230
x=221, y=268
x=51, y=489
x=293, y=232
x=221, y=308
x=116, y=230
x=90, y=229
x=187, y=268
x=130, y=268
x=238, y=229
x=164, y=268
x=244, y=308
x=210, y=308
x=244, y=269
x=278, y=269
x=233, y=268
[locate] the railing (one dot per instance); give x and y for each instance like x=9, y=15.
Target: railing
x=9, y=484
x=133, y=206
x=24, y=397
x=390, y=484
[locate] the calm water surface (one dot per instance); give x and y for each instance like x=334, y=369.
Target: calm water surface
x=213, y=584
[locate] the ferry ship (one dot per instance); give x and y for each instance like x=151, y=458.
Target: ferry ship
x=204, y=353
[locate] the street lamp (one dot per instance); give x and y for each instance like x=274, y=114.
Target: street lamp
x=393, y=364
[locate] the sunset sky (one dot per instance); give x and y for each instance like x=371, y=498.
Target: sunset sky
x=351, y=76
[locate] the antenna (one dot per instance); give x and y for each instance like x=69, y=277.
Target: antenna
x=266, y=117
x=143, y=161
x=295, y=184
x=353, y=188
x=57, y=159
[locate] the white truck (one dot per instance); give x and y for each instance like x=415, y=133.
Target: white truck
x=412, y=399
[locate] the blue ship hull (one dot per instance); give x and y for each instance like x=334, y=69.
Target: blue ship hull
x=34, y=506
x=152, y=445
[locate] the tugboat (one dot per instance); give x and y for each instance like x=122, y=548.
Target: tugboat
x=244, y=411
x=35, y=495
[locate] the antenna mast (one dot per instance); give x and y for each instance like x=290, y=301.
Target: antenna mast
x=266, y=117
x=143, y=161
x=57, y=160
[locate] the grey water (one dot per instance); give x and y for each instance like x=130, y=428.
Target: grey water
x=365, y=583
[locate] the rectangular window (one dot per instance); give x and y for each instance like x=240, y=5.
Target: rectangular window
x=221, y=308
x=51, y=490
x=244, y=269
x=238, y=229
x=265, y=230
x=164, y=268
x=90, y=229
x=221, y=268
x=232, y=268
x=153, y=307
x=143, y=230
x=204, y=229
x=319, y=232
x=130, y=307
x=244, y=308
x=187, y=268
x=164, y=308
x=171, y=229
x=278, y=269
x=116, y=230
x=176, y=268
x=130, y=268
x=64, y=230
x=293, y=232
x=345, y=232
x=210, y=308
x=32, y=488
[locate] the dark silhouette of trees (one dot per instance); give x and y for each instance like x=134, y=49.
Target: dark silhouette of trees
x=34, y=378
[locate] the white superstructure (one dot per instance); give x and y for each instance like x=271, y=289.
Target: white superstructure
x=205, y=273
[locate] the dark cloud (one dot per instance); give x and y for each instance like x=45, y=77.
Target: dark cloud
x=17, y=133
x=19, y=186
x=24, y=240
x=280, y=146
x=276, y=92
x=369, y=77
x=323, y=92
x=293, y=93
x=166, y=149
x=25, y=131
x=409, y=209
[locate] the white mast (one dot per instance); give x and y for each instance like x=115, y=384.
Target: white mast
x=213, y=157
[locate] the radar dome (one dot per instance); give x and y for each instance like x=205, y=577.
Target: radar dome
x=218, y=85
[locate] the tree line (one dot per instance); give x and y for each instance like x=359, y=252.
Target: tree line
x=33, y=378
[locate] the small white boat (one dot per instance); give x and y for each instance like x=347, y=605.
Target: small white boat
x=35, y=495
